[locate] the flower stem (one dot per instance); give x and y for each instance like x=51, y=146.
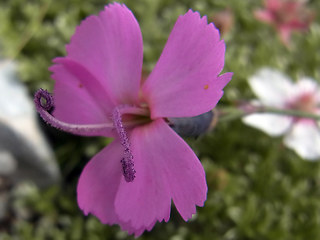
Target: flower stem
x=233, y=113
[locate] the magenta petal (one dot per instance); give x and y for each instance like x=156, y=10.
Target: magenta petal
x=137, y=232
x=166, y=169
x=99, y=183
x=98, y=186
x=110, y=46
x=78, y=96
x=147, y=198
x=185, y=80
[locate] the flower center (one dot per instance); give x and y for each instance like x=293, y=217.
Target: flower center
x=305, y=102
x=123, y=116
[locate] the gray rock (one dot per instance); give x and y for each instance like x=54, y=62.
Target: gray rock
x=24, y=152
x=8, y=164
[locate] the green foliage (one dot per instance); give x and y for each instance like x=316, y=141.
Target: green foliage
x=258, y=189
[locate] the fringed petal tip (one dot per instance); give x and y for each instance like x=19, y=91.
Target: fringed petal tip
x=203, y=20
x=224, y=79
x=137, y=232
x=193, y=51
x=116, y=6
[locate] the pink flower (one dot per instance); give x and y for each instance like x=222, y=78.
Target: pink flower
x=275, y=90
x=98, y=91
x=286, y=16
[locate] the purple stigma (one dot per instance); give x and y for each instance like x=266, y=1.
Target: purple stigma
x=44, y=102
x=127, y=160
x=43, y=99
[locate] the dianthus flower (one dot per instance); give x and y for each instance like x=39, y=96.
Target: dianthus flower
x=286, y=16
x=274, y=89
x=98, y=92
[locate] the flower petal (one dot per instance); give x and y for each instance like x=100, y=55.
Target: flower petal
x=99, y=183
x=110, y=46
x=166, y=168
x=304, y=139
x=285, y=34
x=78, y=96
x=272, y=87
x=306, y=94
x=307, y=85
x=273, y=5
x=185, y=81
x=137, y=232
x=272, y=124
x=264, y=16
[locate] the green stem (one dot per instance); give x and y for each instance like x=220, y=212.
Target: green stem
x=233, y=113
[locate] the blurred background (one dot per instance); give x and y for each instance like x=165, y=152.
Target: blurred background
x=257, y=188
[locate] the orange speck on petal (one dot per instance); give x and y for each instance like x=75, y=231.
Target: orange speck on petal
x=206, y=87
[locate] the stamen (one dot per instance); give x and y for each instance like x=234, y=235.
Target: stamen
x=127, y=161
x=127, y=109
x=45, y=105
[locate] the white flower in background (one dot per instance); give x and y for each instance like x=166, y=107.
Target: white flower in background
x=274, y=89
